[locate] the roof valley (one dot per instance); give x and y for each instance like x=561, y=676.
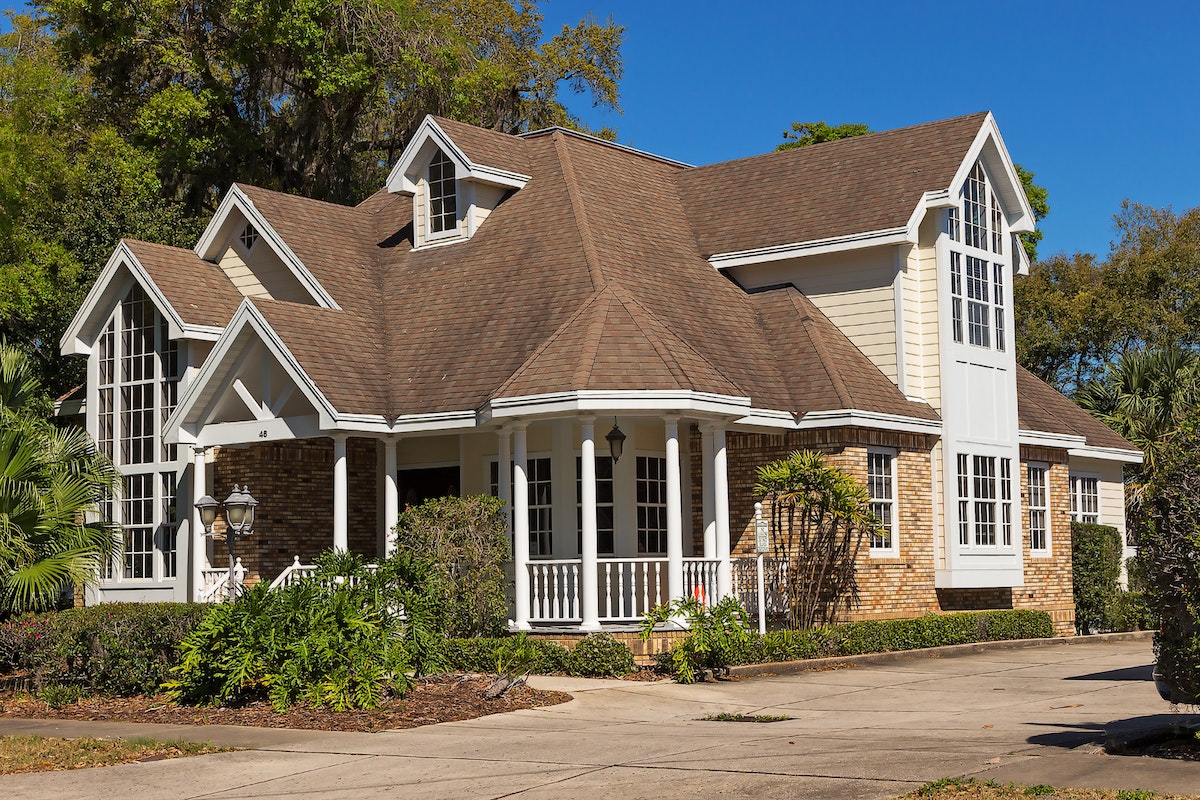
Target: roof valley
x=590, y=253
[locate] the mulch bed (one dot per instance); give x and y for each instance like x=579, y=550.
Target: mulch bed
x=446, y=698
x=1179, y=749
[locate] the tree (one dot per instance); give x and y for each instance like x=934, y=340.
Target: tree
x=50, y=478
x=820, y=515
x=1145, y=396
x=319, y=97
x=803, y=134
x=1075, y=315
x=70, y=187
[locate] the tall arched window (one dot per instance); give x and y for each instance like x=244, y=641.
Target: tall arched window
x=443, y=195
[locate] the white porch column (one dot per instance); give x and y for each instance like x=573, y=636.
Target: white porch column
x=504, y=478
x=674, y=513
x=341, y=501
x=721, y=512
x=589, y=595
x=391, y=495
x=520, y=490
x=198, y=547
x=706, y=474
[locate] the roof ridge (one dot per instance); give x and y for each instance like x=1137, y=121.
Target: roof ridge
x=289, y=196
x=824, y=357
x=590, y=253
x=667, y=332
x=558, y=333
x=655, y=342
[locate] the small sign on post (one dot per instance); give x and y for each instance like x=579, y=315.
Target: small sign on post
x=762, y=543
x=762, y=536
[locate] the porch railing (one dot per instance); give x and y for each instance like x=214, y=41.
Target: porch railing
x=214, y=583
x=627, y=588
x=745, y=583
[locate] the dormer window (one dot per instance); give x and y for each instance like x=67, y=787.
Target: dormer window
x=976, y=230
x=248, y=237
x=443, y=195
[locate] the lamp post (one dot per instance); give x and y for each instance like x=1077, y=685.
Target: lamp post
x=239, y=520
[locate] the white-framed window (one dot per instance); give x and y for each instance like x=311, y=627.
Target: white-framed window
x=881, y=484
x=249, y=237
x=1085, y=498
x=139, y=371
x=985, y=500
x=1039, y=508
x=652, y=505
x=605, y=515
x=976, y=231
x=443, y=196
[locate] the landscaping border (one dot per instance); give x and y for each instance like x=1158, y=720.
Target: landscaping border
x=946, y=651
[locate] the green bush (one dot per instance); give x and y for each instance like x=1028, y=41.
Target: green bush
x=1130, y=611
x=506, y=655
x=599, y=655
x=717, y=636
x=1095, y=569
x=115, y=649
x=346, y=638
x=881, y=636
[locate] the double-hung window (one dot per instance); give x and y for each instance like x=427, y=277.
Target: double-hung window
x=541, y=509
x=976, y=232
x=443, y=196
x=1085, y=498
x=651, y=504
x=604, y=503
x=1039, y=509
x=985, y=501
x=881, y=483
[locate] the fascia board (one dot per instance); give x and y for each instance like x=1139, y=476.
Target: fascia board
x=398, y=181
x=1107, y=454
x=73, y=341
x=1063, y=441
x=248, y=315
x=591, y=401
x=235, y=198
x=989, y=131
x=868, y=419
x=856, y=241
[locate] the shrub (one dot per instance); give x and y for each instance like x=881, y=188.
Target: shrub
x=465, y=538
x=717, y=636
x=599, y=655
x=337, y=640
x=116, y=649
x=1130, y=611
x=1096, y=566
x=506, y=655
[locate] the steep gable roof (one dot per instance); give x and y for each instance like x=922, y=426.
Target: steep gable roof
x=824, y=191
x=197, y=289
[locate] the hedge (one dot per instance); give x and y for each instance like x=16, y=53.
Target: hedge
x=1096, y=567
x=506, y=654
x=116, y=649
x=881, y=636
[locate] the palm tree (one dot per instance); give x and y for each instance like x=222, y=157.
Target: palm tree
x=50, y=481
x=1145, y=395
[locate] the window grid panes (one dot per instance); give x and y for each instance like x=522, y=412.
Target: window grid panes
x=137, y=520
x=249, y=237
x=443, y=199
x=985, y=500
x=954, y=225
x=1039, y=510
x=981, y=225
x=997, y=226
x=1085, y=499
x=604, y=504
x=998, y=301
x=956, y=294
x=964, y=493
x=881, y=485
x=1006, y=501
x=975, y=221
x=652, y=504
x=978, y=307
x=169, y=529
x=541, y=517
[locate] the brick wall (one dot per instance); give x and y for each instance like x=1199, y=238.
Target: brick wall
x=293, y=483
x=1048, y=585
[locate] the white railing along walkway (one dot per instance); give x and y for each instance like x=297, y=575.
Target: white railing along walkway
x=627, y=588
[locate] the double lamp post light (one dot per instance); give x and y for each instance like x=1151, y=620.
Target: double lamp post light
x=239, y=520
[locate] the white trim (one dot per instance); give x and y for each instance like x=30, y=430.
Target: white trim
x=1049, y=439
x=989, y=131
x=1048, y=550
x=868, y=419
x=1107, y=453
x=235, y=198
x=399, y=181
x=650, y=401
x=246, y=315
x=1072, y=496
x=814, y=247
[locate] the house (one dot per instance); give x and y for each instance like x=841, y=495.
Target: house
x=507, y=304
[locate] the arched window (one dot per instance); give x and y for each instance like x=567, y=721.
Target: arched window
x=443, y=195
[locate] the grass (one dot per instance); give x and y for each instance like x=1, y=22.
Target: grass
x=972, y=789
x=45, y=754
x=725, y=716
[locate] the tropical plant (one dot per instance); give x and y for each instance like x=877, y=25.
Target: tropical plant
x=820, y=515
x=716, y=637
x=50, y=481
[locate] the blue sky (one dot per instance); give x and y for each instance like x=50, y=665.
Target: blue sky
x=1099, y=99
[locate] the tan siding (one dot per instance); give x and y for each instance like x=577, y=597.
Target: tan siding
x=926, y=354
x=239, y=273
x=1112, y=489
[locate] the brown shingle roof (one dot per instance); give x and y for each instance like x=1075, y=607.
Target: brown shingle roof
x=1041, y=407
x=197, y=289
x=867, y=183
x=486, y=147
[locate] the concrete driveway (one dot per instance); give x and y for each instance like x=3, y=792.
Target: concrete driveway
x=1029, y=715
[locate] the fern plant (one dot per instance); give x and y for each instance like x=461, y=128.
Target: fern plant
x=717, y=635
